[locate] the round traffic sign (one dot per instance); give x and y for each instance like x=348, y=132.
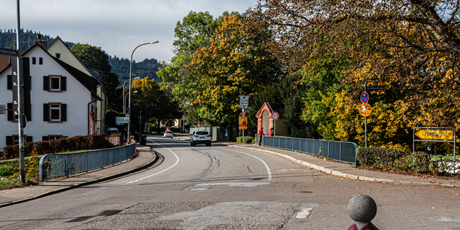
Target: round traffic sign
x=365, y=110
x=275, y=116
x=364, y=97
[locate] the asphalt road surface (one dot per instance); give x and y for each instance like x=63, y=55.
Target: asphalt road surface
x=219, y=187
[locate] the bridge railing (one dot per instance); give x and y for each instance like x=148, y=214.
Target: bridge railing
x=336, y=150
x=55, y=165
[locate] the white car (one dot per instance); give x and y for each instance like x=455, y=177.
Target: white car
x=168, y=134
x=200, y=137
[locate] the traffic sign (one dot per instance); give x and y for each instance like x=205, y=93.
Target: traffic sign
x=244, y=102
x=364, y=97
x=365, y=110
x=435, y=134
x=275, y=116
x=375, y=88
x=122, y=120
x=243, y=122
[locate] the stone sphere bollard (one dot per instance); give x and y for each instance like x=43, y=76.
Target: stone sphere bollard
x=362, y=209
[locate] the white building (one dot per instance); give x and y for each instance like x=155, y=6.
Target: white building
x=61, y=98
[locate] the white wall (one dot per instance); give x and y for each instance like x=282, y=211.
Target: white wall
x=76, y=97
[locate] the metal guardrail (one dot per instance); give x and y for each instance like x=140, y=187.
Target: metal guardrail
x=336, y=150
x=54, y=165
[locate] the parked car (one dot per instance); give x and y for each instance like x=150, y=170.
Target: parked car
x=112, y=130
x=200, y=137
x=168, y=134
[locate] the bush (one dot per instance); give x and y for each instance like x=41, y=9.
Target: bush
x=382, y=157
x=245, y=140
x=57, y=146
x=395, y=159
x=6, y=170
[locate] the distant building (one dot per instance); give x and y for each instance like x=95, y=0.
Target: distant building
x=265, y=118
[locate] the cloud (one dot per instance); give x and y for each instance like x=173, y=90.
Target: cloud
x=114, y=25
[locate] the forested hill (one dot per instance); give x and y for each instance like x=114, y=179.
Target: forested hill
x=120, y=66
x=145, y=68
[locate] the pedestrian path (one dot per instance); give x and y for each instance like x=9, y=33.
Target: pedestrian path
x=349, y=171
x=12, y=196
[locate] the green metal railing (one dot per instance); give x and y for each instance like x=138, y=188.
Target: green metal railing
x=54, y=165
x=336, y=150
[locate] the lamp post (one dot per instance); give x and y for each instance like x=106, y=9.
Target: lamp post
x=130, y=73
x=124, y=100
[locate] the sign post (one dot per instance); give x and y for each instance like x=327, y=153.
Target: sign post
x=434, y=134
x=365, y=110
x=244, y=104
x=275, y=117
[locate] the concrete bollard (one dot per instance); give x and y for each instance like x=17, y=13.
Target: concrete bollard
x=362, y=209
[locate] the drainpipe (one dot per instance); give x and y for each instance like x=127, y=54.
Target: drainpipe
x=88, y=113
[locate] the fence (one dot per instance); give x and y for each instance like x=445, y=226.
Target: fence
x=53, y=165
x=337, y=150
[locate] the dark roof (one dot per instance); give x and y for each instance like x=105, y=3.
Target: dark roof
x=5, y=61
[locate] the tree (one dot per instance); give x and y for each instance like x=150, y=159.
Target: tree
x=411, y=47
x=97, y=58
x=195, y=31
x=152, y=102
x=232, y=65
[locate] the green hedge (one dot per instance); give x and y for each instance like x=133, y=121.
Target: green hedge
x=395, y=159
x=245, y=140
x=57, y=146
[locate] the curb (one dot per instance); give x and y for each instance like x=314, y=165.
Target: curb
x=138, y=168
x=344, y=175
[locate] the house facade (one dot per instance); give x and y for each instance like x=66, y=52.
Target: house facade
x=61, y=51
x=61, y=99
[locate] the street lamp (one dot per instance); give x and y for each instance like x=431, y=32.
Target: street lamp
x=130, y=72
x=124, y=100
x=124, y=104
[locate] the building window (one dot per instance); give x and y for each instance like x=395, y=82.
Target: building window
x=55, y=112
x=14, y=139
x=55, y=83
x=40, y=61
x=51, y=137
x=34, y=60
x=58, y=56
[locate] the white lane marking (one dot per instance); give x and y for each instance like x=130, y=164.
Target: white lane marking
x=266, y=166
x=254, y=184
x=199, y=189
x=304, y=213
x=177, y=161
x=445, y=219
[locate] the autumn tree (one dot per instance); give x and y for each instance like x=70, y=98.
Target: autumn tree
x=233, y=64
x=193, y=32
x=410, y=47
x=152, y=102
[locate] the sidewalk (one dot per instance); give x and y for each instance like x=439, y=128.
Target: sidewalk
x=349, y=171
x=18, y=195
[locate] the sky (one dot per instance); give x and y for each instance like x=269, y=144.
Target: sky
x=117, y=26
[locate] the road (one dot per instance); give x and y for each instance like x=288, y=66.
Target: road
x=219, y=187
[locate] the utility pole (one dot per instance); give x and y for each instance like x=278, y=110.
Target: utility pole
x=20, y=111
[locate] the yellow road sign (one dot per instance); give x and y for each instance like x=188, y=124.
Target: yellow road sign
x=435, y=134
x=365, y=110
x=243, y=122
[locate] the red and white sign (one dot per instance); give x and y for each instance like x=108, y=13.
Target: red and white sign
x=275, y=116
x=364, y=97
